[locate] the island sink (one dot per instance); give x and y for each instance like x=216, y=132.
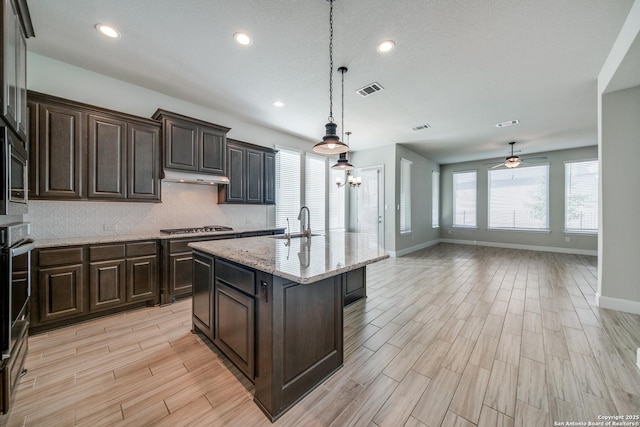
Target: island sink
x=275, y=317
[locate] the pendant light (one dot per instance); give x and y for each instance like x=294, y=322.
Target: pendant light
x=330, y=143
x=343, y=163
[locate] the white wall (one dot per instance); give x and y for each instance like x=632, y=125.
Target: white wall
x=553, y=240
x=182, y=205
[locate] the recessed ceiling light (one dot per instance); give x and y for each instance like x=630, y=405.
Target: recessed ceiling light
x=509, y=123
x=107, y=31
x=386, y=46
x=278, y=104
x=242, y=38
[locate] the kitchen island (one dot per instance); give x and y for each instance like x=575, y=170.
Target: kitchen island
x=274, y=307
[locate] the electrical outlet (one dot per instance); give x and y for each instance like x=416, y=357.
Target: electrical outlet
x=567, y=239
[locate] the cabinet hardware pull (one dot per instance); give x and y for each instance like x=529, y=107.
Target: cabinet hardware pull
x=264, y=290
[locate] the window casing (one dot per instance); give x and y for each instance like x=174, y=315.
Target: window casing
x=435, y=199
x=405, y=196
x=519, y=198
x=465, y=199
x=581, y=196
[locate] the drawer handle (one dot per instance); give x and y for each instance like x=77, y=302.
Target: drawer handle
x=264, y=290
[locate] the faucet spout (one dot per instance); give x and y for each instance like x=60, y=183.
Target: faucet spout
x=305, y=226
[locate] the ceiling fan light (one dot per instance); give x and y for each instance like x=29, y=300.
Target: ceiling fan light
x=512, y=162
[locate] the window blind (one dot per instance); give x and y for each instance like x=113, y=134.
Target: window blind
x=315, y=190
x=405, y=196
x=435, y=199
x=287, y=188
x=519, y=198
x=464, y=199
x=581, y=196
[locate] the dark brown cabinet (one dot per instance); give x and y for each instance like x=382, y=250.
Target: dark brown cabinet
x=16, y=27
x=193, y=145
x=354, y=285
x=203, y=288
x=74, y=283
x=251, y=172
x=61, y=283
x=84, y=152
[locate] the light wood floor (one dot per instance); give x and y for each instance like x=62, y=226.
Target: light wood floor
x=452, y=335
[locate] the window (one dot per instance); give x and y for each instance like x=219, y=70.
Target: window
x=315, y=190
x=336, y=200
x=519, y=198
x=288, y=188
x=581, y=196
x=405, y=196
x=464, y=199
x=435, y=199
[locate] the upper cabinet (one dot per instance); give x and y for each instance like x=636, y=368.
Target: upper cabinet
x=17, y=27
x=193, y=145
x=83, y=152
x=251, y=172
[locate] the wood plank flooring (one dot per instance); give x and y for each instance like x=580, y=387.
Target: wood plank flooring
x=449, y=336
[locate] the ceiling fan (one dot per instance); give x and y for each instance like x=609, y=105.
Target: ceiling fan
x=514, y=161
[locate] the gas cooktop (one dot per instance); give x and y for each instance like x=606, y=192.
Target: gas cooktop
x=205, y=229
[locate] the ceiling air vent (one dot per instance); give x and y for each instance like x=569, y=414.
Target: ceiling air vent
x=421, y=127
x=509, y=123
x=369, y=89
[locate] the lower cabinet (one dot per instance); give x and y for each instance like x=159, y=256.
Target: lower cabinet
x=202, y=301
x=72, y=283
x=354, y=285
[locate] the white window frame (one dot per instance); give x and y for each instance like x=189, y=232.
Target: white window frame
x=568, y=230
x=475, y=219
x=405, y=197
x=544, y=229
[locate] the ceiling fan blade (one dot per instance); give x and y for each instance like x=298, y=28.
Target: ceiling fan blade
x=497, y=166
x=533, y=158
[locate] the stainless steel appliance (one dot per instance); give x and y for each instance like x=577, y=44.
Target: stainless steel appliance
x=205, y=229
x=15, y=290
x=13, y=174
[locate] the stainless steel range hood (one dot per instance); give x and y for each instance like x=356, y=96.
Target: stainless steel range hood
x=194, y=178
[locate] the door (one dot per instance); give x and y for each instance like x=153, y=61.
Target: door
x=370, y=202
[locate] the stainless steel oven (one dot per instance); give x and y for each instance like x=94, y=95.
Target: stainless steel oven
x=15, y=291
x=14, y=175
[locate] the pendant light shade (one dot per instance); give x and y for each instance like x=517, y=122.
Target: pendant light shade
x=342, y=163
x=330, y=143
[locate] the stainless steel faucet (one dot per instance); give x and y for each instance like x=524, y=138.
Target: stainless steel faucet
x=306, y=231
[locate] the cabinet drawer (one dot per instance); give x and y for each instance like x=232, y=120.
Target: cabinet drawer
x=141, y=248
x=103, y=253
x=236, y=276
x=180, y=246
x=60, y=256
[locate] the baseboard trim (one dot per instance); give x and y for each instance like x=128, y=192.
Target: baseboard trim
x=406, y=251
x=523, y=247
x=618, y=304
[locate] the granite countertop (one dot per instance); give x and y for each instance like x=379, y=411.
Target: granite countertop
x=89, y=240
x=303, y=260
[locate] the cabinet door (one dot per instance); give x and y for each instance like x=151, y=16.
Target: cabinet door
x=235, y=164
x=255, y=172
x=106, y=284
x=59, y=161
x=143, y=170
x=34, y=150
x=61, y=292
x=180, y=273
x=269, y=178
x=212, y=150
x=203, y=312
x=107, y=157
x=181, y=145
x=354, y=285
x=10, y=76
x=21, y=79
x=234, y=327
x=141, y=278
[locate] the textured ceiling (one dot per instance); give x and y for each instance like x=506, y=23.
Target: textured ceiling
x=459, y=65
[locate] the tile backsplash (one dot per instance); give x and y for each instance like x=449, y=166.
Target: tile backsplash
x=183, y=205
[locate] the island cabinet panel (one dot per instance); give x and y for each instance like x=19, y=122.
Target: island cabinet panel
x=234, y=332
x=202, y=301
x=354, y=285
